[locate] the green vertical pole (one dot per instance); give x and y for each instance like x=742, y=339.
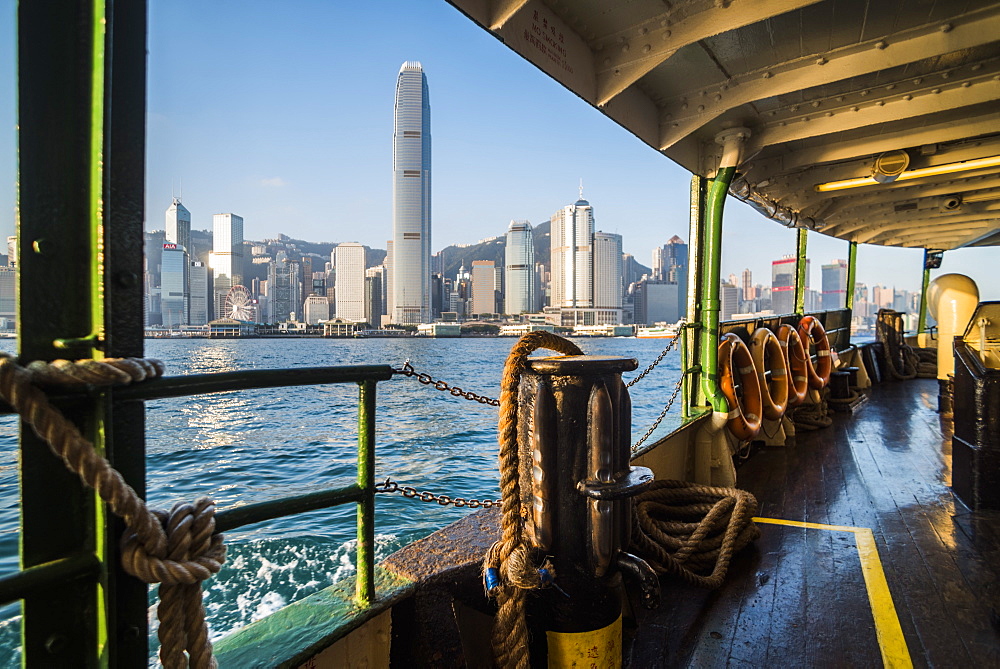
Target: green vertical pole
x=61, y=75
x=852, y=267
x=711, y=275
x=365, y=593
x=689, y=344
x=922, y=317
x=800, y=270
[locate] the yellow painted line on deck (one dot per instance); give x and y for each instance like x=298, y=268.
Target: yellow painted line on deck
x=890, y=635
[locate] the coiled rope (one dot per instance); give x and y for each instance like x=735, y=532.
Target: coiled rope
x=899, y=356
x=692, y=531
x=509, y=556
x=813, y=416
x=178, y=549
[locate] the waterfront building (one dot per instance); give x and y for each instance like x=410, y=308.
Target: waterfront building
x=520, y=290
x=882, y=297
x=198, y=290
x=834, y=285
x=783, y=285
x=656, y=302
x=571, y=255
x=729, y=300
x=350, y=281
x=178, y=225
x=226, y=259
x=607, y=270
x=306, y=270
x=749, y=290
x=483, y=287
x=374, y=295
x=12, y=251
x=284, y=291
x=316, y=309
x=8, y=292
x=411, y=199
x=388, y=307
x=174, y=295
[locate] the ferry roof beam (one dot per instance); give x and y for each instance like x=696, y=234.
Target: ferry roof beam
x=925, y=42
x=972, y=125
x=628, y=55
x=503, y=10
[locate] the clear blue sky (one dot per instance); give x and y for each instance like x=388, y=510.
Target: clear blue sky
x=282, y=113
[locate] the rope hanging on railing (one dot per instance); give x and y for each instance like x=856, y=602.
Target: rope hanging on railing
x=507, y=560
x=178, y=549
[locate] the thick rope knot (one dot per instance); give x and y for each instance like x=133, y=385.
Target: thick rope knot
x=509, y=558
x=191, y=554
x=177, y=549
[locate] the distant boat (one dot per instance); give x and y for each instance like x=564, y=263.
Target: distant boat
x=658, y=331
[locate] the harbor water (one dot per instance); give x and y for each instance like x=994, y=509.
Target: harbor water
x=256, y=445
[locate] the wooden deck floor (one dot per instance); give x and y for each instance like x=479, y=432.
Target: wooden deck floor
x=798, y=598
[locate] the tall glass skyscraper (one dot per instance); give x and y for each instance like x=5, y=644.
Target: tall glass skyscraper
x=572, y=256
x=227, y=257
x=519, y=269
x=411, y=199
x=178, y=220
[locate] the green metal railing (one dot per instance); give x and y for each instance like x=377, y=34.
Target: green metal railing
x=362, y=491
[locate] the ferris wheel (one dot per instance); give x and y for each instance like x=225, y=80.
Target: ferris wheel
x=240, y=304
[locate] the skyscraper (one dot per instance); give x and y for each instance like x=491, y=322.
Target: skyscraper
x=178, y=220
x=519, y=269
x=175, y=295
x=198, y=287
x=572, y=256
x=411, y=199
x=835, y=285
x=284, y=291
x=607, y=270
x=484, y=283
x=227, y=257
x=783, y=284
x=350, y=282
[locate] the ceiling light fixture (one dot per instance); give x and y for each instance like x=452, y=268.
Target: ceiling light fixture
x=948, y=168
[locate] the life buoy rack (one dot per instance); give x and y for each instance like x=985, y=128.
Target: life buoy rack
x=810, y=329
x=769, y=356
x=798, y=364
x=744, y=407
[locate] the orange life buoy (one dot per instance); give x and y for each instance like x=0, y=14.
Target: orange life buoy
x=810, y=329
x=768, y=355
x=798, y=364
x=745, y=406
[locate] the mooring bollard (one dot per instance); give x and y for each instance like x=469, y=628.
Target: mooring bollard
x=574, y=441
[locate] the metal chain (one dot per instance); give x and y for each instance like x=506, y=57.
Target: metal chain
x=656, y=423
x=428, y=380
x=444, y=500
x=646, y=371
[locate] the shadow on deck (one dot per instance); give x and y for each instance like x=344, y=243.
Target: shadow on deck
x=799, y=597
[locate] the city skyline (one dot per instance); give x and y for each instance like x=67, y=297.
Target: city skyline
x=310, y=158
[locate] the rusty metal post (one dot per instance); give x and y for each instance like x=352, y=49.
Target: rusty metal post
x=574, y=436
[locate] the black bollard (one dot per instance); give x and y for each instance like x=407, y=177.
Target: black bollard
x=574, y=441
